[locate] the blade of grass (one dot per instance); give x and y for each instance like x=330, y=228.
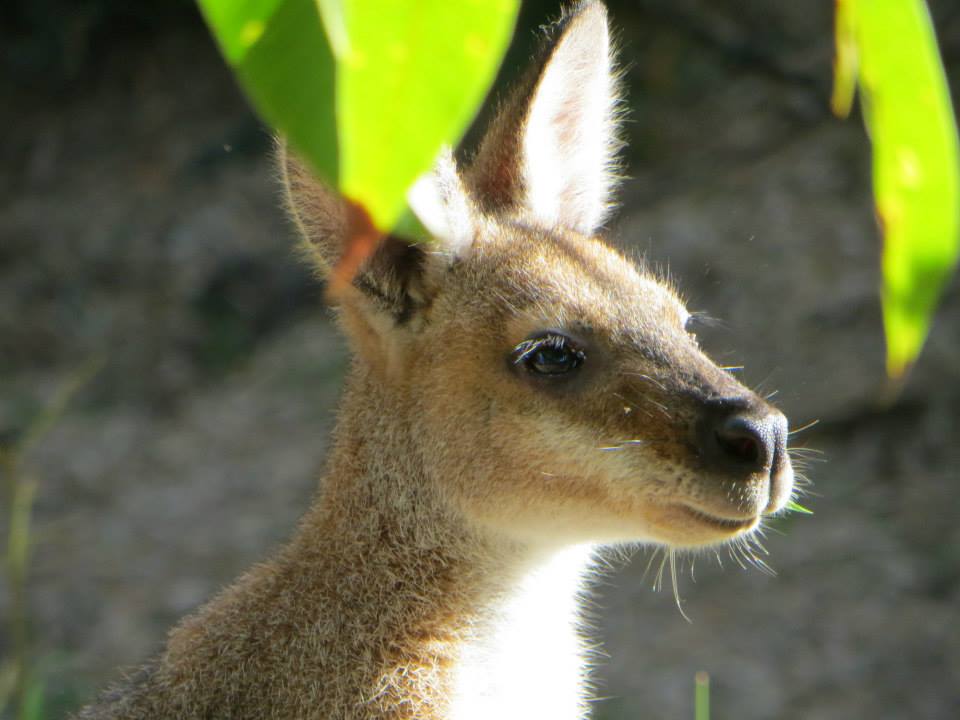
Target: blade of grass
x=794, y=506
x=25, y=693
x=701, y=683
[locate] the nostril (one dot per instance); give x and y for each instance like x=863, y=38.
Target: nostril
x=744, y=448
x=738, y=439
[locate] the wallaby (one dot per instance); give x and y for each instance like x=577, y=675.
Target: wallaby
x=520, y=395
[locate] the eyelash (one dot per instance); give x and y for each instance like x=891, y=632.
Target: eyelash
x=525, y=349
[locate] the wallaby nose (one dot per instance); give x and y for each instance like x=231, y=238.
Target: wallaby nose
x=743, y=436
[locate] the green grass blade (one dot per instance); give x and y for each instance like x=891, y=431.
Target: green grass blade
x=796, y=507
x=916, y=166
x=701, y=684
x=33, y=706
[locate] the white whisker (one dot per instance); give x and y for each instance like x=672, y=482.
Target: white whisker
x=673, y=582
x=809, y=425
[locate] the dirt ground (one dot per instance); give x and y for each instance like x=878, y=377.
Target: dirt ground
x=140, y=227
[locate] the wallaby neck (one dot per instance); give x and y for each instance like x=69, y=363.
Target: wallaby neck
x=459, y=623
x=386, y=604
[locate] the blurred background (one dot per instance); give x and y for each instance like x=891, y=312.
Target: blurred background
x=140, y=228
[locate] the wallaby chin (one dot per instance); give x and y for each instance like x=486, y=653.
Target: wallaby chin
x=520, y=393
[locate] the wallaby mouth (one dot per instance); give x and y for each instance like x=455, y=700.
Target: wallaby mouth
x=736, y=525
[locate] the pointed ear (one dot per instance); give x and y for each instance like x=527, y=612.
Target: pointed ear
x=551, y=150
x=315, y=209
x=390, y=286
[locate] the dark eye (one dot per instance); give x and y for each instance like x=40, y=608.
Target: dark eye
x=549, y=355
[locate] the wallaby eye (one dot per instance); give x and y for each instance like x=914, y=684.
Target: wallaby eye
x=548, y=355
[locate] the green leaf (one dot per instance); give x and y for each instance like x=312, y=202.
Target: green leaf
x=281, y=56
x=410, y=75
x=916, y=166
x=369, y=96
x=238, y=24
x=796, y=507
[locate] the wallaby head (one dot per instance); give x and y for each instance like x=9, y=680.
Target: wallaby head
x=518, y=387
x=552, y=383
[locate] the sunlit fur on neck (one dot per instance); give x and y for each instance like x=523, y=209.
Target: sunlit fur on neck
x=529, y=660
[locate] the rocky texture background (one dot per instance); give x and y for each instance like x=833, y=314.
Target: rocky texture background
x=139, y=224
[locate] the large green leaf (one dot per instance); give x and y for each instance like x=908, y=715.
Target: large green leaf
x=890, y=48
x=371, y=95
x=280, y=54
x=410, y=75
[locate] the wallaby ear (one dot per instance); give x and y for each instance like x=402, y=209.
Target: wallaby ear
x=550, y=152
x=317, y=210
x=390, y=284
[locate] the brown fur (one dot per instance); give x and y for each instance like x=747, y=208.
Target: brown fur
x=452, y=471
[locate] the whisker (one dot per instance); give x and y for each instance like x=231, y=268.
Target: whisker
x=646, y=570
x=732, y=551
x=658, y=583
x=763, y=567
x=759, y=545
x=802, y=448
x=618, y=445
x=805, y=453
x=748, y=547
x=630, y=407
x=809, y=425
x=676, y=589
x=661, y=407
x=708, y=320
x=647, y=377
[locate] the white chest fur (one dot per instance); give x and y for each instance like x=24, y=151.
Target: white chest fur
x=530, y=663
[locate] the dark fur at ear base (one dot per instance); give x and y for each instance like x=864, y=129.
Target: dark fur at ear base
x=393, y=278
x=390, y=279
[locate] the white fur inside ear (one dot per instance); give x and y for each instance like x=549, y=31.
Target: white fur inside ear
x=569, y=140
x=440, y=202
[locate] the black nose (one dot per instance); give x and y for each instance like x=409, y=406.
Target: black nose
x=742, y=435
